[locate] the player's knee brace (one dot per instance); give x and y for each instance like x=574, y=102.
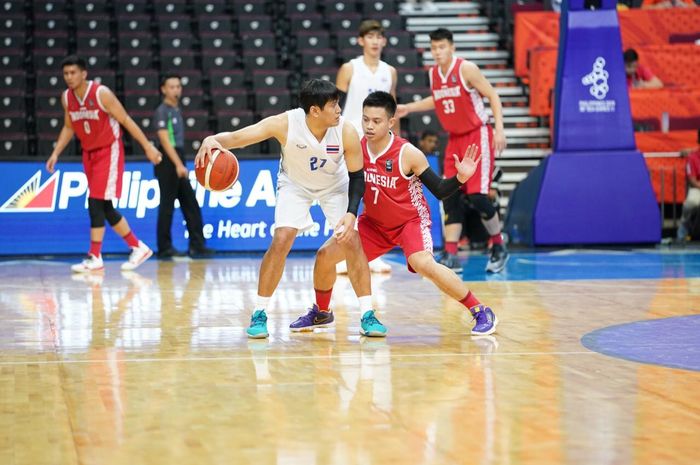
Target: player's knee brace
x=97, y=213
x=112, y=215
x=454, y=208
x=483, y=205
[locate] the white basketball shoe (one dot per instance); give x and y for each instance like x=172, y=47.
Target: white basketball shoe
x=139, y=254
x=89, y=263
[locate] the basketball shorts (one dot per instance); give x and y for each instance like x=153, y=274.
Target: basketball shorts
x=457, y=144
x=412, y=237
x=104, y=168
x=294, y=204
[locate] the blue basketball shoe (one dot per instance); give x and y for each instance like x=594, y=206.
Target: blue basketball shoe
x=371, y=326
x=258, y=325
x=314, y=318
x=486, y=320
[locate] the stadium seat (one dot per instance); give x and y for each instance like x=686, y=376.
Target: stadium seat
x=50, y=22
x=49, y=122
x=135, y=59
x=260, y=60
x=12, y=60
x=270, y=79
x=48, y=59
x=262, y=41
x=142, y=100
x=407, y=58
x=51, y=80
x=9, y=103
x=50, y=40
x=131, y=7
x=247, y=24
x=92, y=23
x=345, y=21
x=13, y=122
x=12, y=40
x=134, y=23
x=348, y=53
x=229, y=100
x=321, y=73
x=331, y=7
x=249, y=7
x=135, y=41
x=391, y=22
x=91, y=7
x=346, y=39
x=170, y=7
x=12, y=7
x=226, y=80
x=419, y=122
x=106, y=77
x=12, y=24
x=144, y=120
x=305, y=22
x=399, y=40
x=13, y=144
x=141, y=80
x=219, y=59
x=210, y=7
x=193, y=139
x=46, y=142
x=175, y=41
x=313, y=40
x=176, y=59
x=272, y=100
x=412, y=77
x=91, y=41
x=49, y=6
x=12, y=81
x=298, y=6
x=215, y=24
x=411, y=94
x=174, y=24
x=211, y=41
x=48, y=100
x=191, y=79
x=192, y=100
x=196, y=120
x=233, y=120
x=318, y=58
x=375, y=8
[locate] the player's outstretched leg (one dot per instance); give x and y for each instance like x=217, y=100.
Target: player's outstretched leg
x=271, y=270
x=451, y=284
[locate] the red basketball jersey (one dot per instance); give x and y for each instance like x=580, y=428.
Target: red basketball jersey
x=391, y=198
x=459, y=109
x=91, y=123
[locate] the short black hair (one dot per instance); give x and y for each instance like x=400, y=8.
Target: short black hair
x=381, y=99
x=74, y=60
x=169, y=75
x=630, y=56
x=317, y=92
x=428, y=133
x=442, y=34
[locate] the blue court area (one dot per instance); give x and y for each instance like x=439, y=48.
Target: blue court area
x=571, y=264
x=671, y=342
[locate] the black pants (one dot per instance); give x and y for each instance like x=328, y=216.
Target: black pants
x=172, y=187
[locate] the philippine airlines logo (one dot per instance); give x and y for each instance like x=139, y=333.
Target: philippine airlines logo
x=598, y=80
x=32, y=197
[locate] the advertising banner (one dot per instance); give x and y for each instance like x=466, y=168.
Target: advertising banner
x=43, y=213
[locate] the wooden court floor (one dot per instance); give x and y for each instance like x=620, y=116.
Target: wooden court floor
x=155, y=368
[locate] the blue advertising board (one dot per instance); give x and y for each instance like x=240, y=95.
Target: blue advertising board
x=43, y=213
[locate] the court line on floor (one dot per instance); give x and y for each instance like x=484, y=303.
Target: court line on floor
x=282, y=358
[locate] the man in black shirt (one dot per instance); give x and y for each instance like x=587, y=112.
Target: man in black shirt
x=173, y=176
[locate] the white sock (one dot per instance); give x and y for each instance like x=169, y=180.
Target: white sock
x=261, y=302
x=365, y=303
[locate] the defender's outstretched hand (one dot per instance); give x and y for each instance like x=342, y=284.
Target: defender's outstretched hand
x=467, y=166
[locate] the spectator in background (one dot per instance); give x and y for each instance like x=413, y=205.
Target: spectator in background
x=639, y=76
x=173, y=176
x=428, y=142
x=692, y=199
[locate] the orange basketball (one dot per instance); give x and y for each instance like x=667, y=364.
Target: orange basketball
x=221, y=173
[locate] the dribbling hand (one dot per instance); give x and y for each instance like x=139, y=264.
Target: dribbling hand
x=209, y=144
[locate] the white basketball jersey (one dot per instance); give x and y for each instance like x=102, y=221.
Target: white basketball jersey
x=362, y=83
x=310, y=164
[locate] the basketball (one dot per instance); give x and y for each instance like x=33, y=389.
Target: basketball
x=221, y=173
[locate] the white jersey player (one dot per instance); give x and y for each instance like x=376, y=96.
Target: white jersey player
x=360, y=77
x=321, y=161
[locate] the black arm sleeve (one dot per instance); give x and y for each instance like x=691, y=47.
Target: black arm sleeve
x=441, y=188
x=342, y=98
x=356, y=190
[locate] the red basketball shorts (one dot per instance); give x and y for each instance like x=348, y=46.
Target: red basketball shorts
x=457, y=144
x=104, y=168
x=412, y=237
